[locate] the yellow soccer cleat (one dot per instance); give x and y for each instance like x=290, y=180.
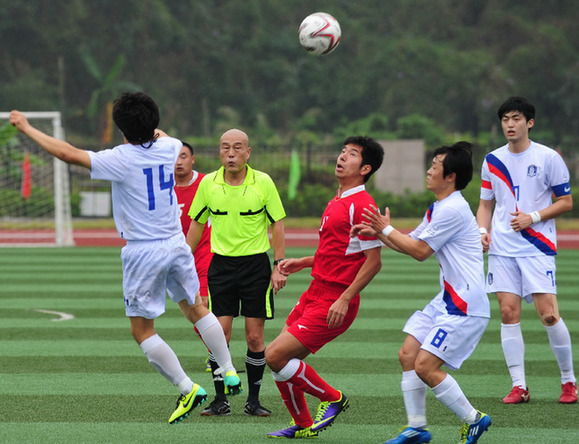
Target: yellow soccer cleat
x=232, y=383
x=188, y=402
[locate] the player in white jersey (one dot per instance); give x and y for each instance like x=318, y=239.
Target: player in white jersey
x=519, y=179
x=156, y=257
x=449, y=328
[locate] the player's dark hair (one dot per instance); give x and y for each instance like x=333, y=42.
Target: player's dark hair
x=458, y=160
x=372, y=152
x=189, y=147
x=519, y=104
x=137, y=116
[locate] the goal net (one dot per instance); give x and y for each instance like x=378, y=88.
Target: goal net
x=34, y=187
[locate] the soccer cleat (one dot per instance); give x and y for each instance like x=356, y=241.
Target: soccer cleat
x=568, y=393
x=328, y=412
x=518, y=395
x=294, y=431
x=207, y=365
x=232, y=383
x=254, y=408
x=411, y=435
x=188, y=402
x=470, y=433
x=219, y=407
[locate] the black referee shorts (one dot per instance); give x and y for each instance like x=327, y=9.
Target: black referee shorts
x=241, y=281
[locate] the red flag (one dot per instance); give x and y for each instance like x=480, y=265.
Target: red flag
x=26, y=187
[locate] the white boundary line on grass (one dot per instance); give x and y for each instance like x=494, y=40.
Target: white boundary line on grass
x=61, y=315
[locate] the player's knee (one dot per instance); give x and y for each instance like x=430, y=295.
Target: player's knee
x=140, y=334
x=255, y=342
x=549, y=319
x=269, y=356
x=509, y=315
x=273, y=358
x=136, y=336
x=406, y=358
x=422, y=370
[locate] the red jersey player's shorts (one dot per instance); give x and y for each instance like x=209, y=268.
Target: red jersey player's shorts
x=308, y=319
x=203, y=288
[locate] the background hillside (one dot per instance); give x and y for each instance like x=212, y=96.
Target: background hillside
x=213, y=64
x=405, y=69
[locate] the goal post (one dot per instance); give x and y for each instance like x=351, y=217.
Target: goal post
x=42, y=214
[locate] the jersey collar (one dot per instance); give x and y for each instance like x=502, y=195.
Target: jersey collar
x=249, y=177
x=353, y=191
x=194, y=178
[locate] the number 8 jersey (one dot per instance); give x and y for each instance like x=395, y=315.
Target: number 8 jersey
x=144, y=202
x=523, y=182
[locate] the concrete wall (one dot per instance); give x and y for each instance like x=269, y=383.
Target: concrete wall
x=403, y=167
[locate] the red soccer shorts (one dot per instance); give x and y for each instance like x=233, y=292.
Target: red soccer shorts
x=308, y=319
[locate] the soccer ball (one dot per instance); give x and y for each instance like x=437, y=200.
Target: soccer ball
x=319, y=33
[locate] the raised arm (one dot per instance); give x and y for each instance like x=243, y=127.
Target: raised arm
x=380, y=226
x=58, y=148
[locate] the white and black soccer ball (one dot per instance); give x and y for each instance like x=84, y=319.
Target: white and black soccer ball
x=319, y=33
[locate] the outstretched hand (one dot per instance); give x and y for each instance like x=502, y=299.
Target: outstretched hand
x=376, y=220
x=373, y=224
x=19, y=120
x=289, y=266
x=362, y=230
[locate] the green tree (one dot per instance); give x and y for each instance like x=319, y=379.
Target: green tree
x=110, y=86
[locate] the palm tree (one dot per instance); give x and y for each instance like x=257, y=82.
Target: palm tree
x=110, y=85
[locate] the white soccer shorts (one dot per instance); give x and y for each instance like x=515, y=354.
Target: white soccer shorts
x=523, y=276
x=151, y=268
x=452, y=338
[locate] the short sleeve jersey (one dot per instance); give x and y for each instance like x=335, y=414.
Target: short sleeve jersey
x=185, y=196
x=240, y=215
x=525, y=182
x=339, y=257
x=144, y=203
x=450, y=229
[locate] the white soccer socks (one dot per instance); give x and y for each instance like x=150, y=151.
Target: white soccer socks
x=212, y=333
x=449, y=393
x=514, y=351
x=414, y=394
x=560, y=341
x=163, y=358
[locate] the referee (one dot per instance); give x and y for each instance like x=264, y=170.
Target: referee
x=242, y=203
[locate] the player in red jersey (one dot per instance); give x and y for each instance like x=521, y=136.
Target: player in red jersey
x=186, y=184
x=341, y=268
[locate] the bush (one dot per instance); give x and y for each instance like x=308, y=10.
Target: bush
x=40, y=203
x=309, y=202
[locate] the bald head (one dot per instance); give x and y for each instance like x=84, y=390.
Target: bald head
x=235, y=135
x=234, y=152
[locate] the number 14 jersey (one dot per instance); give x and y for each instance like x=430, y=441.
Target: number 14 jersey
x=144, y=202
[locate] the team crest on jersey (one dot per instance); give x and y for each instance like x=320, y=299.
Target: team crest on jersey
x=532, y=170
x=490, y=278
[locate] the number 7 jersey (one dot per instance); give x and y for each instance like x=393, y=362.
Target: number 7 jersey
x=144, y=202
x=523, y=182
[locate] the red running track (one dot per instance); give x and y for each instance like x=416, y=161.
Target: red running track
x=294, y=238
x=307, y=237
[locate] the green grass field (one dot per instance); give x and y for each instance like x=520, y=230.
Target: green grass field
x=84, y=380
